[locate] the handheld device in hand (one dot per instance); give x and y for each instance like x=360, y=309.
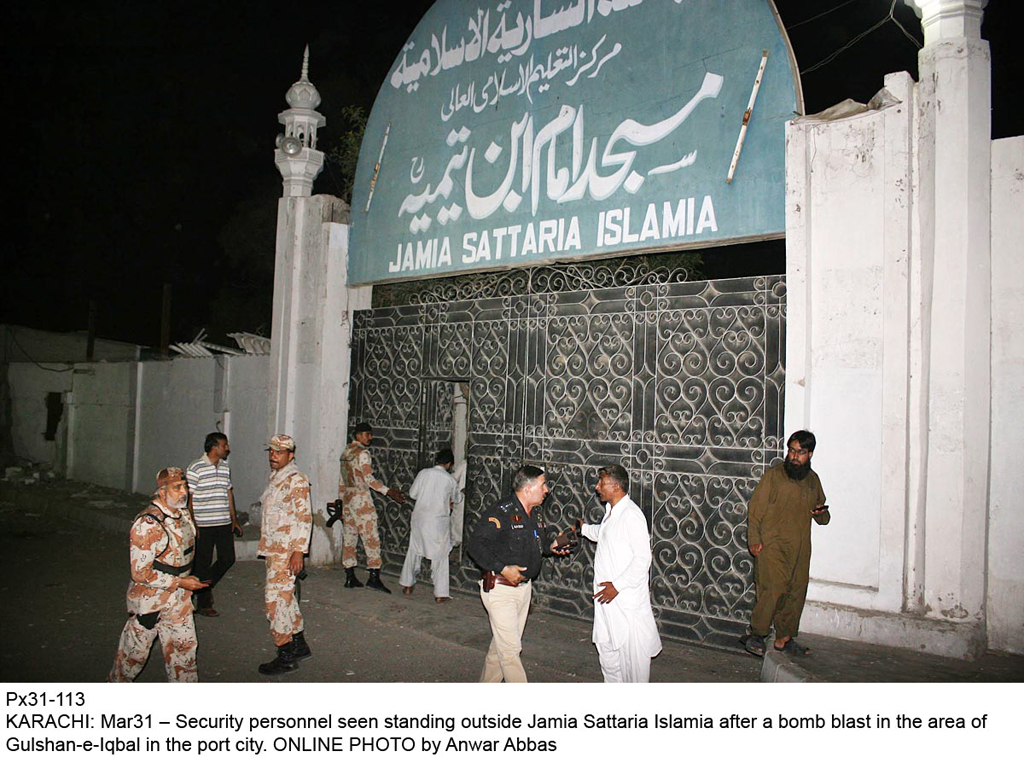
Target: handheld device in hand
x=567, y=540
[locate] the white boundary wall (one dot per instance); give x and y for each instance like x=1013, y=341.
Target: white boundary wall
x=905, y=356
x=29, y=385
x=183, y=400
x=101, y=424
x=124, y=421
x=1005, y=603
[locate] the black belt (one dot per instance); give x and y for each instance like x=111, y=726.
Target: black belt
x=184, y=569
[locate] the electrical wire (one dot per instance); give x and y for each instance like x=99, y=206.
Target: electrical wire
x=815, y=18
x=906, y=34
x=14, y=339
x=835, y=54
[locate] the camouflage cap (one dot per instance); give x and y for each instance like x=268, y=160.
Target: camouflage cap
x=169, y=475
x=281, y=442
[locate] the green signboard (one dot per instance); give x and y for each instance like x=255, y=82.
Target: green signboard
x=525, y=131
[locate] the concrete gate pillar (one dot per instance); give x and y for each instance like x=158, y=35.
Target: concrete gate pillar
x=951, y=343
x=313, y=305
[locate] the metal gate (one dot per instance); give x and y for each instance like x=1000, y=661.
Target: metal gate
x=680, y=382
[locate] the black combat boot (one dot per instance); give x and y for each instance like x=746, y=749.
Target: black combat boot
x=301, y=649
x=285, y=662
x=351, y=581
x=374, y=582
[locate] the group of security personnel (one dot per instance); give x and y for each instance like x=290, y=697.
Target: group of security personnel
x=162, y=547
x=508, y=544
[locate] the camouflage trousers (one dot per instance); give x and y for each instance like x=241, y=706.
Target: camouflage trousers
x=177, y=638
x=279, y=602
x=359, y=520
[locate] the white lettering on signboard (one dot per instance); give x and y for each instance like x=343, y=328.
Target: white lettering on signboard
x=528, y=143
x=546, y=238
x=504, y=40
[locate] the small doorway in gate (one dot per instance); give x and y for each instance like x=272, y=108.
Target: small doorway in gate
x=444, y=423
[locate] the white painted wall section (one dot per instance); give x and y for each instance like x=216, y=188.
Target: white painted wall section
x=101, y=424
x=848, y=231
x=245, y=418
x=183, y=400
x=1005, y=595
x=29, y=385
x=904, y=355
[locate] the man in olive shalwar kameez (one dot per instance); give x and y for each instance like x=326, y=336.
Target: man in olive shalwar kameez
x=779, y=516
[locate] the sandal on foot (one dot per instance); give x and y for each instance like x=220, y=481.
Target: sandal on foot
x=793, y=648
x=753, y=644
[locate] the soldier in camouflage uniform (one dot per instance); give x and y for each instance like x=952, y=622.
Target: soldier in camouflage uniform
x=159, y=597
x=358, y=514
x=287, y=520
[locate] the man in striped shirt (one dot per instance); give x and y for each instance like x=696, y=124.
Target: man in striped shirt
x=212, y=504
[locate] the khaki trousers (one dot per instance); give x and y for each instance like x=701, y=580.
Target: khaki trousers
x=507, y=608
x=177, y=639
x=279, y=602
x=359, y=520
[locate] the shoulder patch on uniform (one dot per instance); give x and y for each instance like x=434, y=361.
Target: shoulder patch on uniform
x=495, y=520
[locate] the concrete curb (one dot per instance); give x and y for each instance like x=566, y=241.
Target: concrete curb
x=777, y=668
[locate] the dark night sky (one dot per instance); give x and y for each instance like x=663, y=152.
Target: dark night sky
x=141, y=140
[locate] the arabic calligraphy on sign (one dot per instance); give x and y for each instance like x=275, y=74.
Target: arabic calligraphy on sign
x=497, y=37
x=515, y=131
x=533, y=158
x=496, y=86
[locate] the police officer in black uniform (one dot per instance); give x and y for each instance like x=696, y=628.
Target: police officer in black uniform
x=508, y=543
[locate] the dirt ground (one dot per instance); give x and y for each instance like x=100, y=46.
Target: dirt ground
x=62, y=609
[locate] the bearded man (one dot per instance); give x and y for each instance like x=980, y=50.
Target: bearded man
x=162, y=541
x=779, y=516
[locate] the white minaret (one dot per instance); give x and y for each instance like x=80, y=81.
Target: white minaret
x=297, y=157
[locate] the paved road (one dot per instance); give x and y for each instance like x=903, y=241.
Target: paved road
x=62, y=609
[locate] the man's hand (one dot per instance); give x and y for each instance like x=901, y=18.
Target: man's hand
x=191, y=583
x=606, y=593
x=295, y=563
x=236, y=528
x=513, y=573
x=396, y=495
x=559, y=550
x=756, y=548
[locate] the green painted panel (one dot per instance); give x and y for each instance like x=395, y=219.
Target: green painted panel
x=516, y=132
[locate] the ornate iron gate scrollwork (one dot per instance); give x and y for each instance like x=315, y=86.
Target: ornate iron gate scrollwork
x=680, y=382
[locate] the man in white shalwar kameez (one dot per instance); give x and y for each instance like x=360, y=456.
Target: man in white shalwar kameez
x=625, y=633
x=435, y=491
